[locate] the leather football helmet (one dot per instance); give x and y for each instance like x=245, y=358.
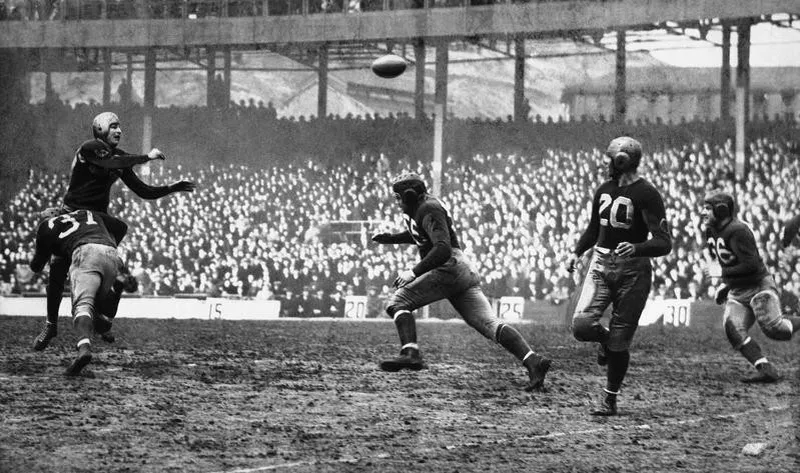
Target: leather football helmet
x=409, y=188
x=723, y=204
x=102, y=124
x=625, y=153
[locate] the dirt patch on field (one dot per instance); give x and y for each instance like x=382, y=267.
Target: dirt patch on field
x=304, y=396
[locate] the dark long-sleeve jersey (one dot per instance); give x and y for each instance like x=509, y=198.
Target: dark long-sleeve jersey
x=734, y=248
x=60, y=235
x=628, y=213
x=96, y=168
x=431, y=229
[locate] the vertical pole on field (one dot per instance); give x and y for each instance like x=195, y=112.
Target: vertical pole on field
x=419, y=78
x=106, y=76
x=212, y=94
x=149, y=99
x=227, y=66
x=742, y=98
x=440, y=109
x=520, y=114
x=725, y=78
x=442, y=59
x=322, y=81
x=129, y=78
x=438, y=136
x=620, y=98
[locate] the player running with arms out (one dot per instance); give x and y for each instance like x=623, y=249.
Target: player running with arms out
x=443, y=272
x=82, y=237
x=748, y=290
x=628, y=226
x=98, y=164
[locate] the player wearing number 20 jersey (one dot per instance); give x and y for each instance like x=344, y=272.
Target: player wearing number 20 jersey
x=628, y=226
x=82, y=238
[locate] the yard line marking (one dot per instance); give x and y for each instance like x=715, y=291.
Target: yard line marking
x=613, y=428
x=273, y=467
x=668, y=423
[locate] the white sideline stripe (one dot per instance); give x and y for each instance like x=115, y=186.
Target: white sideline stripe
x=614, y=428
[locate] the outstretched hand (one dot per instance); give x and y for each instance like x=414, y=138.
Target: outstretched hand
x=382, y=238
x=405, y=277
x=156, y=153
x=184, y=186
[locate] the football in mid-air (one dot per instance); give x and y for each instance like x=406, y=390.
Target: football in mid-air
x=389, y=66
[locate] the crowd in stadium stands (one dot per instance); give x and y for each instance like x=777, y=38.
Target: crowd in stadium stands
x=253, y=134
x=265, y=231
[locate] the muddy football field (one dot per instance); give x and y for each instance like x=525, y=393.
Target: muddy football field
x=307, y=395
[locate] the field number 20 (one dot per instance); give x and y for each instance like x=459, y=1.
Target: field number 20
x=355, y=307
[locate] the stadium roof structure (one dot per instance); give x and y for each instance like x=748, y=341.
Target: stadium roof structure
x=670, y=79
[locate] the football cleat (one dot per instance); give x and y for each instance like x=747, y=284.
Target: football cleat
x=83, y=359
x=108, y=337
x=125, y=282
x=607, y=407
x=102, y=323
x=409, y=359
x=602, y=355
x=766, y=374
x=49, y=332
x=537, y=370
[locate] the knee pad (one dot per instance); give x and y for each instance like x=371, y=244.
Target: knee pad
x=620, y=338
x=620, y=356
x=498, y=332
x=767, y=310
x=782, y=330
x=736, y=334
x=586, y=329
x=78, y=314
x=393, y=309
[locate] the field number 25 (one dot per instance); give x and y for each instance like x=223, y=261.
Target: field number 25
x=510, y=308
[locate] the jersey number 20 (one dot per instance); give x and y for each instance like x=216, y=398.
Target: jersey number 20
x=621, y=203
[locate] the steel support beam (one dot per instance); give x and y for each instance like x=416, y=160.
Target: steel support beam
x=399, y=25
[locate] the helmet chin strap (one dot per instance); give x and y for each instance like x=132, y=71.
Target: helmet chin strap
x=613, y=172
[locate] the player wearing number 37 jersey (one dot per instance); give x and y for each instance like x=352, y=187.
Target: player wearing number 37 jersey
x=628, y=226
x=82, y=238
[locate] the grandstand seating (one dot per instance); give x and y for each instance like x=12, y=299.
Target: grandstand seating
x=253, y=227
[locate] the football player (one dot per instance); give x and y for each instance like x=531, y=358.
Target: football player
x=443, y=272
x=628, y=226
x=748, y=290
x=82, y=237
x=97, y=165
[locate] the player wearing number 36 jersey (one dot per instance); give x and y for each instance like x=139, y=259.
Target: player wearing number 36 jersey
x=628, y=226
x=748, y=291
x=82, y=238
x=443, y=272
